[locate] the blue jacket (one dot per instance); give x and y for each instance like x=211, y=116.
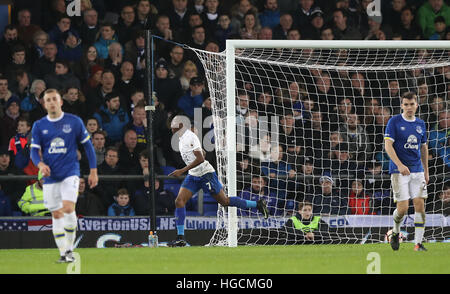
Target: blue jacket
x=269, y=18
x=29, y=103
x=102, y=46
x=438, y=138
x=57, y=36
x=188, y=103
x=5, y=205
x=113, y=124
x=117, y=210
x=70, y=54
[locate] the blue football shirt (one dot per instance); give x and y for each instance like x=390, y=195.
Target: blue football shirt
x=408, y=136
x=58, y=141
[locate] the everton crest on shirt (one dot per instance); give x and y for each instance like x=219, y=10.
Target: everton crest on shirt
x=58, y=141
x=408, y=136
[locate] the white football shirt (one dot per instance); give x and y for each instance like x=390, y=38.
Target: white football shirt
x=189, y=143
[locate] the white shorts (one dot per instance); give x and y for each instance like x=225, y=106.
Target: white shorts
x=408, y=187
x=54, y=194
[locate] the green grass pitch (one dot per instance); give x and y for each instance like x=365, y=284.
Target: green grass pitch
x=311, y=259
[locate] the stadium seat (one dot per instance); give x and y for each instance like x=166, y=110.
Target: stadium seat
x=166, y=171
x=172, y=187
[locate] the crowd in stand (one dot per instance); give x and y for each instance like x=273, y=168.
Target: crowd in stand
x=98, y=62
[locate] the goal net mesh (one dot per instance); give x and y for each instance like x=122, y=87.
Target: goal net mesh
x=309, y=128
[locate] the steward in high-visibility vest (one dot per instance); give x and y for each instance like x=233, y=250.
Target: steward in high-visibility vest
x=32, y=201
x=306, y=228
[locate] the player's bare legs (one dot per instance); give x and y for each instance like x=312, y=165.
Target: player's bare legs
x=183, y=197
x=419, y=223
x=399, y=214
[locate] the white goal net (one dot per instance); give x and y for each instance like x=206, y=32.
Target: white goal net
x=303, y=121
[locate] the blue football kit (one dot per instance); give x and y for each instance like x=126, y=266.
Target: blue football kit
x=58, y=141
x=407, y=136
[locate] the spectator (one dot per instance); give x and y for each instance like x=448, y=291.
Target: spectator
x=145, y=14
x=189, y=71
x=308, y=181
x=359, y=202
x=303, y=12
x=25, y=28
x=193, y=97
x=238, y=12
x=326, y=33
x=107, y=189
x=179, y=16
x=175, y=63
x=19, y=145
x=62, y=78
x=278, y=168
x=163, y=30
x=9, y=122
x=96, y=96
x=126, y=81
x=92, y=125
x=259, y=190
x=439, y=29
x=139, y=124
x=39, y=111
x=223, y=31
x=408, y=28
x=281, y=30
x=21, y=83
x=121, y=206
x=376, y=31
x=32, y=201
x=355, y=136
x=90, y=27
x=167, y=89
x=32, y=100
x=5, y=204
x=135, y=50
x=126, y=27
x=428, y=12
x=315, y=25
x=40, y=38
x=71, y=48
x=84, y=68
x=129, y=152
x=290, y=137
x=106, y=38
x=164, y=199
x=74, y=102
x=115, y=58
x=442, y=204
x=262, y=150
x=198, y=39
x=9, y=40
x=270, y=16
x=14, y=189
x=63, y=25
x=210, y=16
x=251, y=27
x=293, y=34
x=88, y=203
x=98, y=141
x=47, y=63
x=112, y=118
x=94, y=80
x=5, y=94
x=342, y=31
x=329, y=201
x=18, y=62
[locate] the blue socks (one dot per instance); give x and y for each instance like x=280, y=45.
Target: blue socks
x=180, y=216
x=241, y=203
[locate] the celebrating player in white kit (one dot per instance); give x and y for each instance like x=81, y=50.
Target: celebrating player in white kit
x=406, y=144
x=201, y=176
x=54, y=143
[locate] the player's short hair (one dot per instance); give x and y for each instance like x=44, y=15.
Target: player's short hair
x=409, y=96
x=51, y=90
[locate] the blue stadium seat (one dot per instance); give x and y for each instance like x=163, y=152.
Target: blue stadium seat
x=166, y=171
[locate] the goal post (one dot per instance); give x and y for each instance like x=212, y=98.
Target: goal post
x=259, y=68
